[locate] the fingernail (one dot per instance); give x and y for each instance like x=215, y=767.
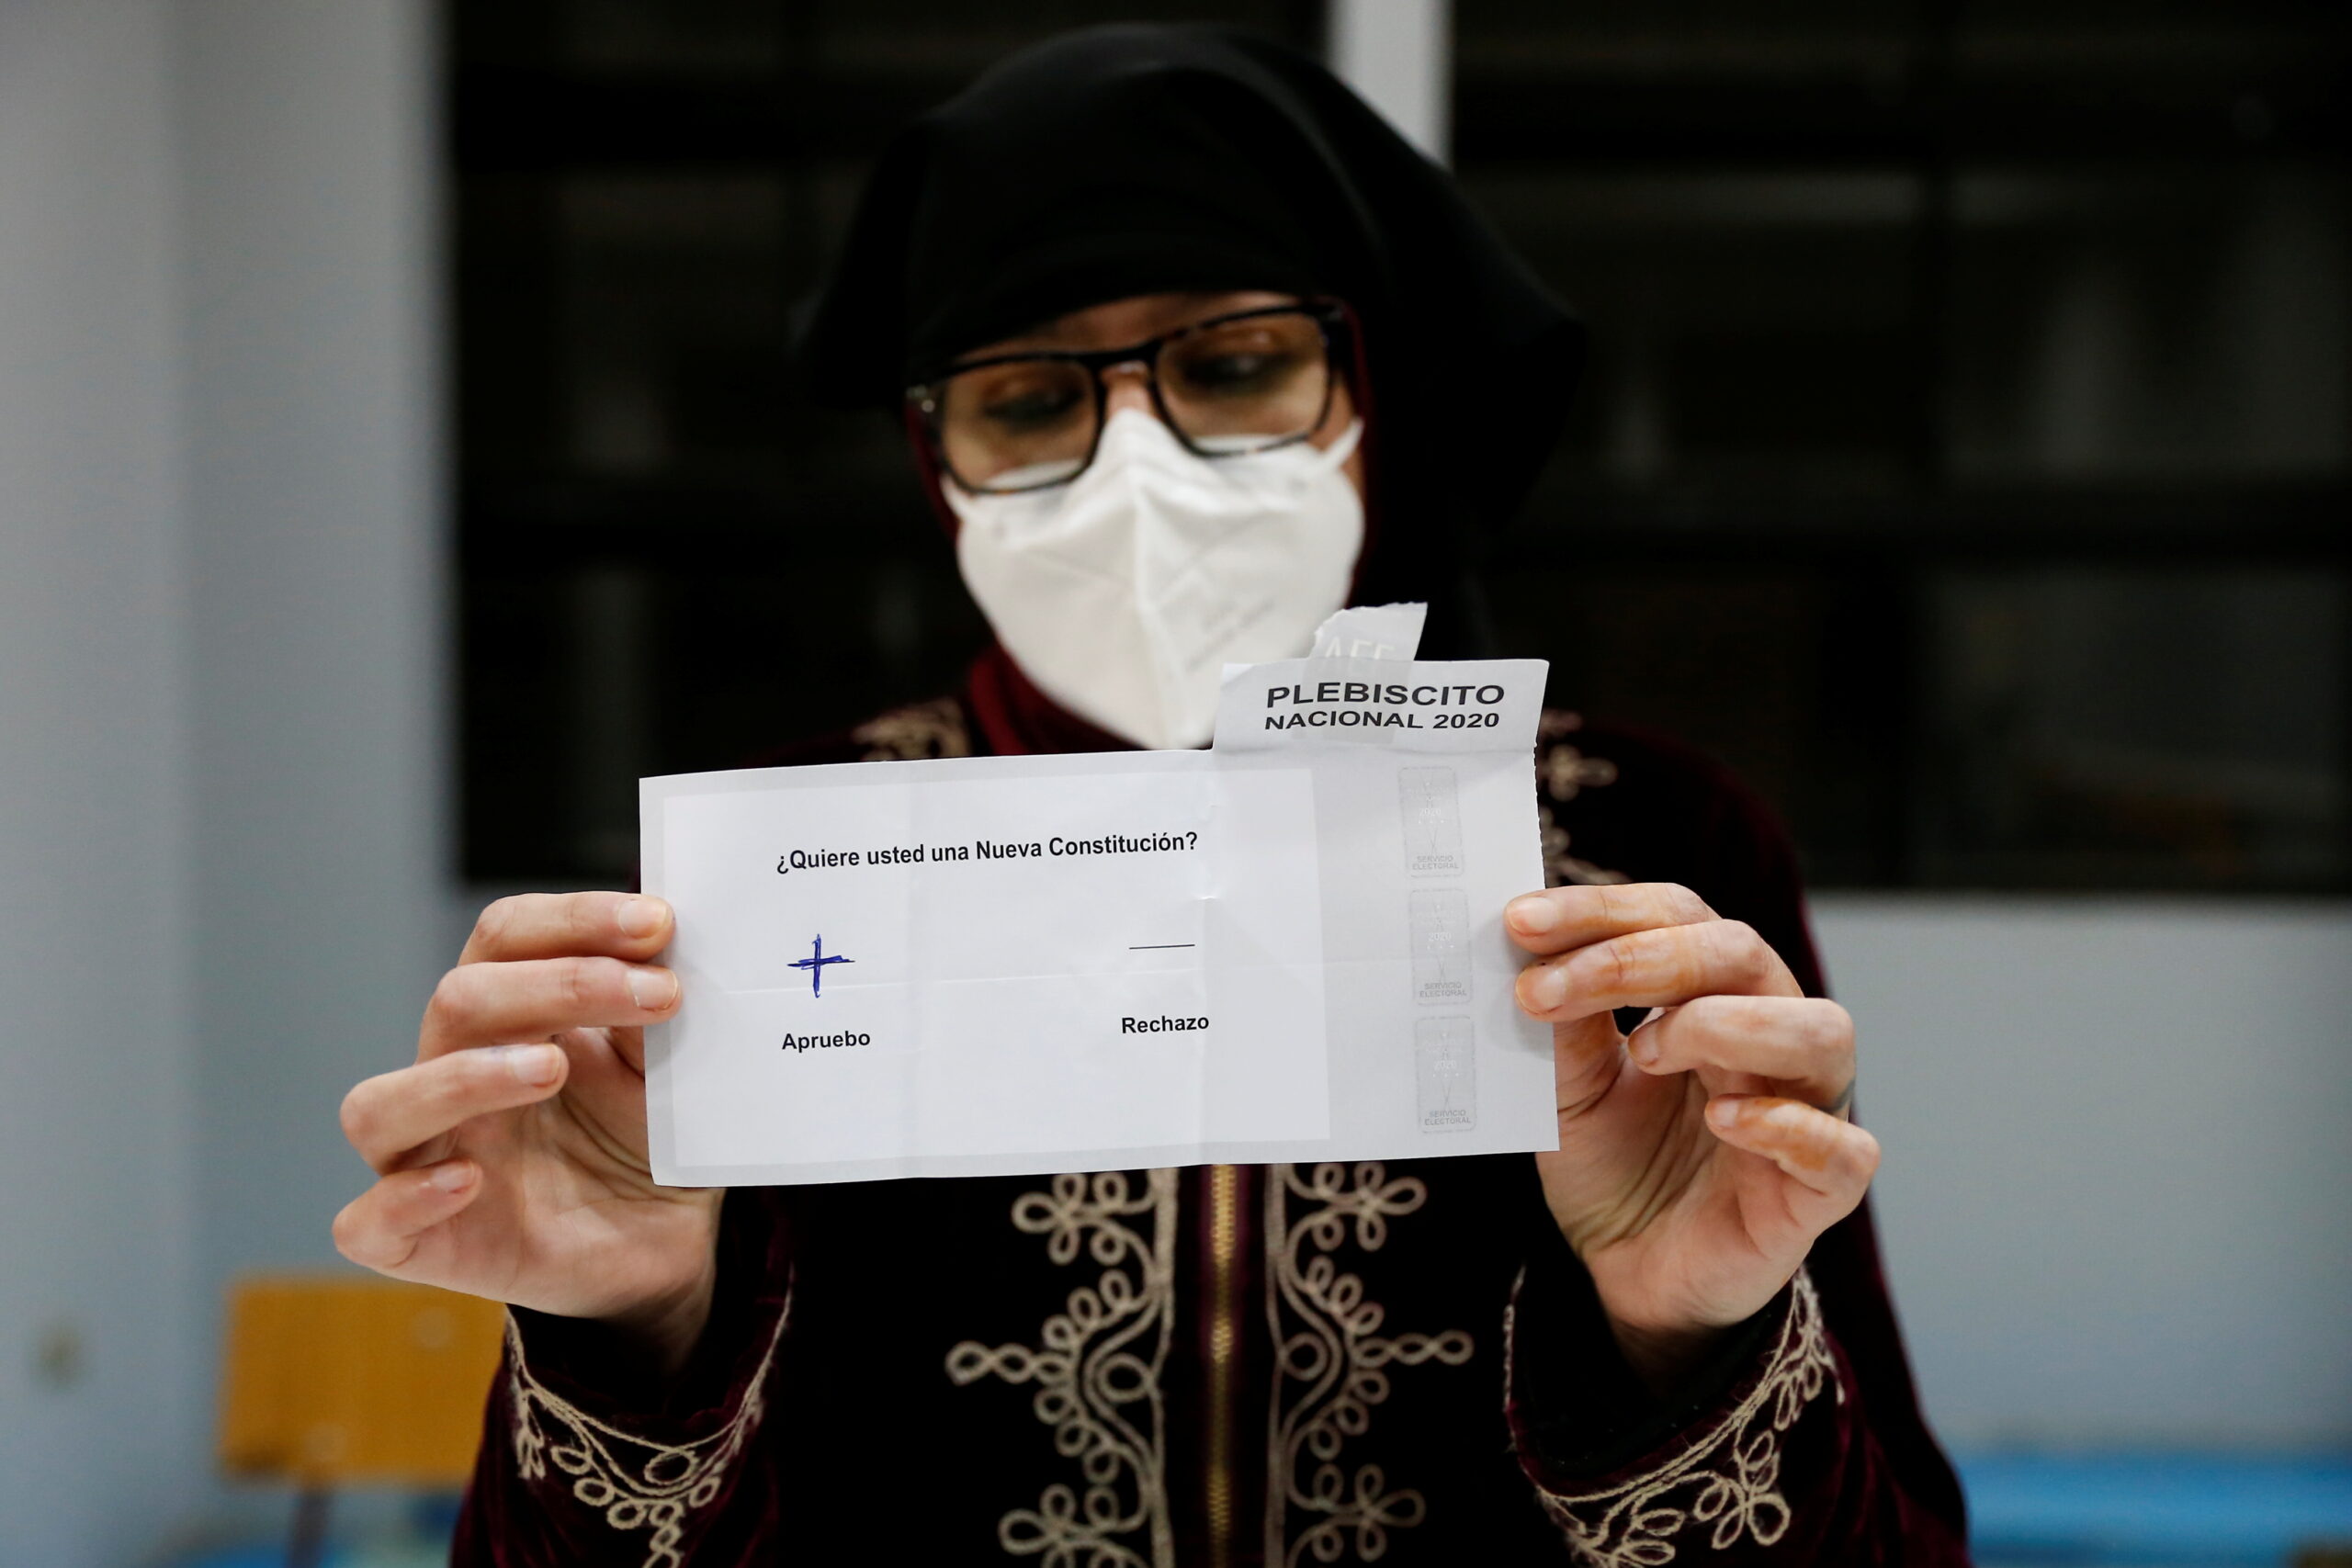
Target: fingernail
x=651, y=988
x=1532, y=914
x=534, y=1064
x=1644, y=1048
x=453, y=1175
x=640, y=917
x=1545, y=989
x=1724, y=1109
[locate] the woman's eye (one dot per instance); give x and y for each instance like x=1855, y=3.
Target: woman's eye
x=1028, y=409
x=1237, y=372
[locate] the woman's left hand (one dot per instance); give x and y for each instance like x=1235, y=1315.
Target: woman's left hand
x=1701, y=1155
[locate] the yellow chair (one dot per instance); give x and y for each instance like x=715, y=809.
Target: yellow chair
x=336, y=1379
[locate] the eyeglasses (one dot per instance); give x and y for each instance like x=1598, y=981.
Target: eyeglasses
x=1244, y=382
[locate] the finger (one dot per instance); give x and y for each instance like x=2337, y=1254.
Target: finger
x=1587, y=1064
x=629, y=1047
x=1805, y=1041
x=502, y=1004
x=559, y=925
x=380, y=1229
x=391, y=1116
x=1559, y=919
x=1832, y=1161
x=1663, y=967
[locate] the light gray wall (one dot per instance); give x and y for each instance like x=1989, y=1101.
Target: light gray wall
x=1399, y=56
x=2117, y=1194
x=316, y=526
x=317, y=542
x=97, y=1454
x=222, y=758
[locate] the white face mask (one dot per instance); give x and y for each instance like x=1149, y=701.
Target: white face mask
x=1124, y=594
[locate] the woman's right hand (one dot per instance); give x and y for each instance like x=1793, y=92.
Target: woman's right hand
x=511, y=1158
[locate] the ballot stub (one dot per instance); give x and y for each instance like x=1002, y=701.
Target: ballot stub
x=1288, y=947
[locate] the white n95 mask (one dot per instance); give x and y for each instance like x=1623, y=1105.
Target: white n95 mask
x=1124, y=594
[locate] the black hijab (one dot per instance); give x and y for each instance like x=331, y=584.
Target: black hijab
x=1136, y=159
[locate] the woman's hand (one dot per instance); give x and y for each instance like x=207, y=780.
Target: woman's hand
x=1700, y=1156
x=511, y=1157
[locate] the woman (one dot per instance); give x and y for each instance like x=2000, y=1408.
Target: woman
x=1192, y=350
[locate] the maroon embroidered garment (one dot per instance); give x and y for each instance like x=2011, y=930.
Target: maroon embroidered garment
x=1401, y=1363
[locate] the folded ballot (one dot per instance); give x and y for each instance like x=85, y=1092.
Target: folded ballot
x=1286, y=947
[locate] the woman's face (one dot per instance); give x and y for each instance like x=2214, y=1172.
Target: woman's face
x=1122, y=600
x=1142, y=317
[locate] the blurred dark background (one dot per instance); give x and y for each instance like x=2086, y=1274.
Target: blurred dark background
x=1964, y=461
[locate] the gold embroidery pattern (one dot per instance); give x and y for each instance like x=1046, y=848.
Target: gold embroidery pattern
x=1562, y=869
x=1097, y=1369
x=1332, y=1362
x=1729, y=1479
x=656, y=1491
x=1564, y=771
x=934, y=729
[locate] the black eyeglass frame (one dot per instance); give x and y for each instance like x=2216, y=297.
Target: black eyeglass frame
x=1332, y=323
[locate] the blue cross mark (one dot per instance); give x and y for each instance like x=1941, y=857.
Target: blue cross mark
x=815, y=964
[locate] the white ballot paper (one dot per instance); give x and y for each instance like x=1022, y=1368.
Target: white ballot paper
x=1288, y=947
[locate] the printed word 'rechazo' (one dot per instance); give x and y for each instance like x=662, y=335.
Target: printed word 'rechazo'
x=1160, y=1025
